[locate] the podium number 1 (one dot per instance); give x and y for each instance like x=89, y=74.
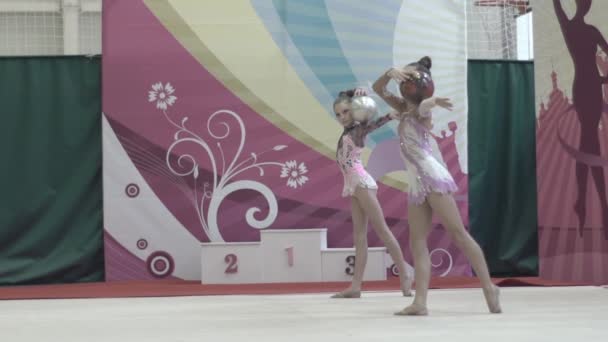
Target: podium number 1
x=290, y=258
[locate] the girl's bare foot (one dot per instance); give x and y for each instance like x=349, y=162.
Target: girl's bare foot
x=413, y=310
x=493, y=299
x=348, y=293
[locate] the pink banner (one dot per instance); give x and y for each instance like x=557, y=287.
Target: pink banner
x=216, y=128
x=572, y=140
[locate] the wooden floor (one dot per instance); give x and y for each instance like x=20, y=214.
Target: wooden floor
x=550, y=314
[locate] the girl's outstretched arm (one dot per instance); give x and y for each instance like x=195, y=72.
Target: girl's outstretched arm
x=426, y=105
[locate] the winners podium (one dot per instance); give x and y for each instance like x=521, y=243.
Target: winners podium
x=287, y=256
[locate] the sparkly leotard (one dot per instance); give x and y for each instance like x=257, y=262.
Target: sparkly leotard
x=425, y=174
x=348, y=156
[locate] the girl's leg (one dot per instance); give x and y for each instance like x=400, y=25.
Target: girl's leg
x=360, y=241
x=369, y=202
x=445, y=207
x=419, y=217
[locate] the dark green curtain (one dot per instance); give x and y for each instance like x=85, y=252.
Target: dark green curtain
x=502, y=165
x=50, y=173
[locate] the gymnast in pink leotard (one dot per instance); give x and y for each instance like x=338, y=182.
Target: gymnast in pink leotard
x=430, y=185
x=361, y=188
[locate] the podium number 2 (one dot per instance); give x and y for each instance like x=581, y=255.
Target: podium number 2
x=231, y=260
x=350, y=261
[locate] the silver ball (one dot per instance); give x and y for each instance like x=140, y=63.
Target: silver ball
x=363, y=108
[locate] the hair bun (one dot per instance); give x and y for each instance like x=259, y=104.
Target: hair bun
x=426, y=62
x=346, y=93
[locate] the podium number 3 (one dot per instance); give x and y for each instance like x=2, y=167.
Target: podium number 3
x=231, y=260
x=350, y=261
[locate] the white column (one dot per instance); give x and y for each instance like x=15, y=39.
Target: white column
x=71, y=21
x=525, y=37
